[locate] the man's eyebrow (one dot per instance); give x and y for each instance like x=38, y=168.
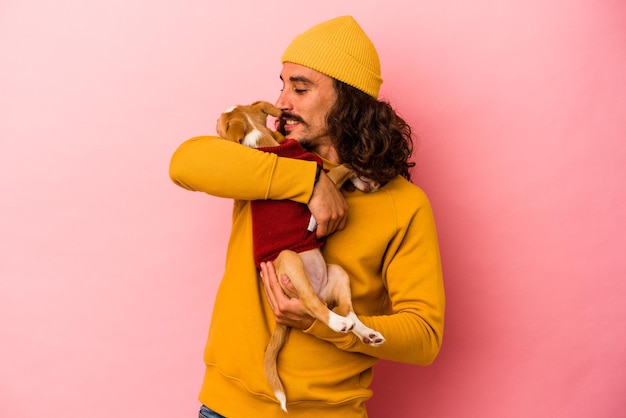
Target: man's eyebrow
x=298, y=79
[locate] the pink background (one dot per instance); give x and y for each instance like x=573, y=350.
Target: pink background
x=108, y=270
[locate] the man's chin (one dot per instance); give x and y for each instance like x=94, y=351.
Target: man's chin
x=289, y=135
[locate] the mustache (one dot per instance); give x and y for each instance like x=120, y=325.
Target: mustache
x=281, y=121
x=287, y=115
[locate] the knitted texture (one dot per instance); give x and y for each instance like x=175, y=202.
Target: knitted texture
x=340, y=49
x=279, y=225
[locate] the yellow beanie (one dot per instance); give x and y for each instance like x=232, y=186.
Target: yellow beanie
x=340, y=49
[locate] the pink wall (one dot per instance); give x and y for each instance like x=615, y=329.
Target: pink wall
x=108, y=270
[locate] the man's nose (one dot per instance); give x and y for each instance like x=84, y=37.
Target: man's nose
x=283, y=101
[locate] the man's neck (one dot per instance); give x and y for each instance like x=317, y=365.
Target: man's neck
x=327, y=152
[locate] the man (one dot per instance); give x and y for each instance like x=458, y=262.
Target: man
x=386, y=240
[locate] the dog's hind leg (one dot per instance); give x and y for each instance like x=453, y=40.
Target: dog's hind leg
x=291, y=264
x=338, y=292
x=365, y=333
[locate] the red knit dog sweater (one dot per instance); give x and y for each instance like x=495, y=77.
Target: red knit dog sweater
x=279, y=225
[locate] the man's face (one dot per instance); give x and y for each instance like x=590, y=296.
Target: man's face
x=306, y=98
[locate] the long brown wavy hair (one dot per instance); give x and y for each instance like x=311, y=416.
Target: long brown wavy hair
x=369, y=135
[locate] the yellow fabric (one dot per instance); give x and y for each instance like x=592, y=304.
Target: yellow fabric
x=340, y=49
x=389, y=249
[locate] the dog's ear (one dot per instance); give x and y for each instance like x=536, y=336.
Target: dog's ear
x=266, y=107
x=231, y=126
x=236, y=130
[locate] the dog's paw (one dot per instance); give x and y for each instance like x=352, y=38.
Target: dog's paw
x=364, y=184
x=340, y=323
x=366, y=334
x=373, y=338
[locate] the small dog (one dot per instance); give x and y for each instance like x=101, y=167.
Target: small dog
x=306, y=269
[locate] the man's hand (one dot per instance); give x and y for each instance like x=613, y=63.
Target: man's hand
x=288, y=311
x=328, y=207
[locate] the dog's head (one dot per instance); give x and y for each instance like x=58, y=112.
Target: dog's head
x=248, y=124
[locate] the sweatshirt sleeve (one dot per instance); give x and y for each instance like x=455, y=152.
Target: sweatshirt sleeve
x=225, y=169
x=412, y=273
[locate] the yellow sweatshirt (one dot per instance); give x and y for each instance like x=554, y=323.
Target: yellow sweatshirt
x=389, y=248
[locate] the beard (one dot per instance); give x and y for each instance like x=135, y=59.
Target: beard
x=307, y=139
x=280, y=127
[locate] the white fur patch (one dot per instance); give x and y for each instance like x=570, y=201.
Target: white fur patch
x=282, y=399
x=252, y=138
x=312, y=224
x=230, y=109
x=340, y=323
x=364, y=184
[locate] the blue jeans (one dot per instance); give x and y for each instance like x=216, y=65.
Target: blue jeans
x=207, y=413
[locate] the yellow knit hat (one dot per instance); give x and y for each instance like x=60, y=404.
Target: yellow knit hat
x=340, y=49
